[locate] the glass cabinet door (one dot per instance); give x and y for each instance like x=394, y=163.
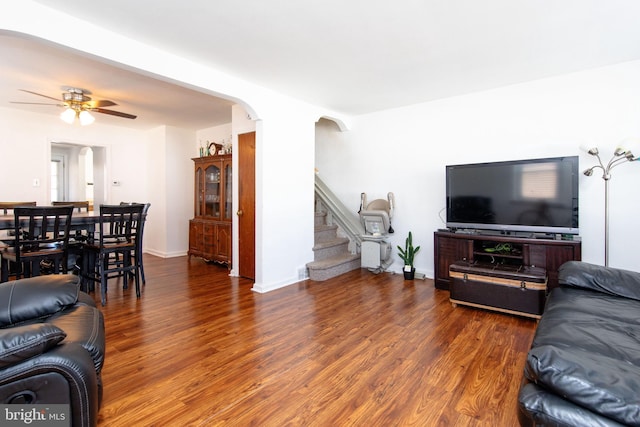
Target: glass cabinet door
x=228, y=194
x=212, y=191
x=199, y=202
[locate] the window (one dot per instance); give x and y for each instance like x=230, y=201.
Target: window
x=540, y=181
x=57, y=178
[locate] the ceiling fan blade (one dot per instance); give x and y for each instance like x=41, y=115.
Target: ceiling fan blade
x=114, y=113
x=39, y=94
x=101, y=103
x=35, y=103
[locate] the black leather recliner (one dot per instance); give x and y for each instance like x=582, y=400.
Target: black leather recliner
x=52, y=346
x=583, y=368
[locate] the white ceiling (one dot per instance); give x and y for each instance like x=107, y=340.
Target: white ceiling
x=154, y=102
x=351, y=56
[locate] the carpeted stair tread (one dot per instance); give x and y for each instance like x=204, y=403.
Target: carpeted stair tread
x=333, y=261
x=333, y=267
x=330, y=243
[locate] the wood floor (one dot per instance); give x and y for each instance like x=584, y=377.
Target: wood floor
x=201, y=349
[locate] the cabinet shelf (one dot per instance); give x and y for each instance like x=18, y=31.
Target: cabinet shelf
x=497, y=255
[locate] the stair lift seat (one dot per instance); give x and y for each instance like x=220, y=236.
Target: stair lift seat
x=375, y=251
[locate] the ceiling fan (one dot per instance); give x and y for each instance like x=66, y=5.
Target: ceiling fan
x=78, y=105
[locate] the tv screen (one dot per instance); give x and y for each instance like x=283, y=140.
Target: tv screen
x=536, y=195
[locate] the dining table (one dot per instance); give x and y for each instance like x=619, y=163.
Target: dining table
x=80, y=221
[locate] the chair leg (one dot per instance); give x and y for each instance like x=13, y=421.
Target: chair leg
x=137, y=279
x=126, y=261
x=141, y=266
x=4, y=270
x=103, y=282
x=23, y=269
x=87, y=271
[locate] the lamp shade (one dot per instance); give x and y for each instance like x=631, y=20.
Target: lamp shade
x=86, y=118
x=68, y=116
x=631, y=148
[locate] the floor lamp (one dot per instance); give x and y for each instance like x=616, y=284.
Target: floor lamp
x=620, y=156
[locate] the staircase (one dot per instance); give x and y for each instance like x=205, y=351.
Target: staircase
x=330, y=252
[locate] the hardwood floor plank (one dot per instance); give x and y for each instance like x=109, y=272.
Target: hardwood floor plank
x=199, y=348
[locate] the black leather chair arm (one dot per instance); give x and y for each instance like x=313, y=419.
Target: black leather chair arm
x=23, y=342
x=37, y=297
x=65, y=374
x=538, y=406
x=612, y=281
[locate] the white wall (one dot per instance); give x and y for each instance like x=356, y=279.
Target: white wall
x=155, y=238
x=405, y=151
x=170, y=191
x=25, y=150
x=179, y=189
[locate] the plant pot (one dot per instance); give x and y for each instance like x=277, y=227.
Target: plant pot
x=409, y=273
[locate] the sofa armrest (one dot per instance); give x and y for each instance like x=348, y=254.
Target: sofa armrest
x=538, y=406
x=597, y=382
x=23, y=342
x=612, y=281
x=68, y=363
x=34, y=298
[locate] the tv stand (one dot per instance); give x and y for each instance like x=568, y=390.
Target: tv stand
x=531, y=251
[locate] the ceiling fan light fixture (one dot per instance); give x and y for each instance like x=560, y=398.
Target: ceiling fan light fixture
x=68, y=116
x=86, y=118
x=76, y=103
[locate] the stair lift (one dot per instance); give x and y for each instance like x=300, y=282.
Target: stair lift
x=375, y=251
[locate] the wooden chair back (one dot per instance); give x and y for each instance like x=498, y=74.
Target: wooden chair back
x=138, y=251
x=40, y=233
x=5, y=207
x=82, y=205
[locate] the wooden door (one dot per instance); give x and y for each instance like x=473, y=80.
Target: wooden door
x=246, y=209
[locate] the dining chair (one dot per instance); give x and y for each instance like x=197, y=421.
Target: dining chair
x=5, y=207
x=6, y=236
x=41, y=235
x=116, y=237
x=75, y=239
x=81, y=206
x=138, y=251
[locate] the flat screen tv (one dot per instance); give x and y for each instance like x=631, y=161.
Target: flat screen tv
x=533, y=196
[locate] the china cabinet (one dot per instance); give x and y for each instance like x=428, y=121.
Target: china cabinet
x=210, y=228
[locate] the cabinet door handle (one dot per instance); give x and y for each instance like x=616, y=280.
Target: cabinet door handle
x=240, y=213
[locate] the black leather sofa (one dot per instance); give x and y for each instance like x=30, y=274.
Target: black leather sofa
x=52, y=346
x=583, y=368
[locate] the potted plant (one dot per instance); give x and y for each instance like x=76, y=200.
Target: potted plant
x=407, y=254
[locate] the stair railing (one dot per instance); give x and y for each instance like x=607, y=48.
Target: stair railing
x=340, y=215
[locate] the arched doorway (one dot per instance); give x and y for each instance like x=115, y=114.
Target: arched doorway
x=77, y=173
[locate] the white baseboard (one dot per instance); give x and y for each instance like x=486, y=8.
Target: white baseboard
x=165, y=254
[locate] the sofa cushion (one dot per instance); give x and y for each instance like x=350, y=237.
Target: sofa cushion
x=603, y=384
x=22, y=342
x=612, y=281
x=591, y=321
x=37, y=297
